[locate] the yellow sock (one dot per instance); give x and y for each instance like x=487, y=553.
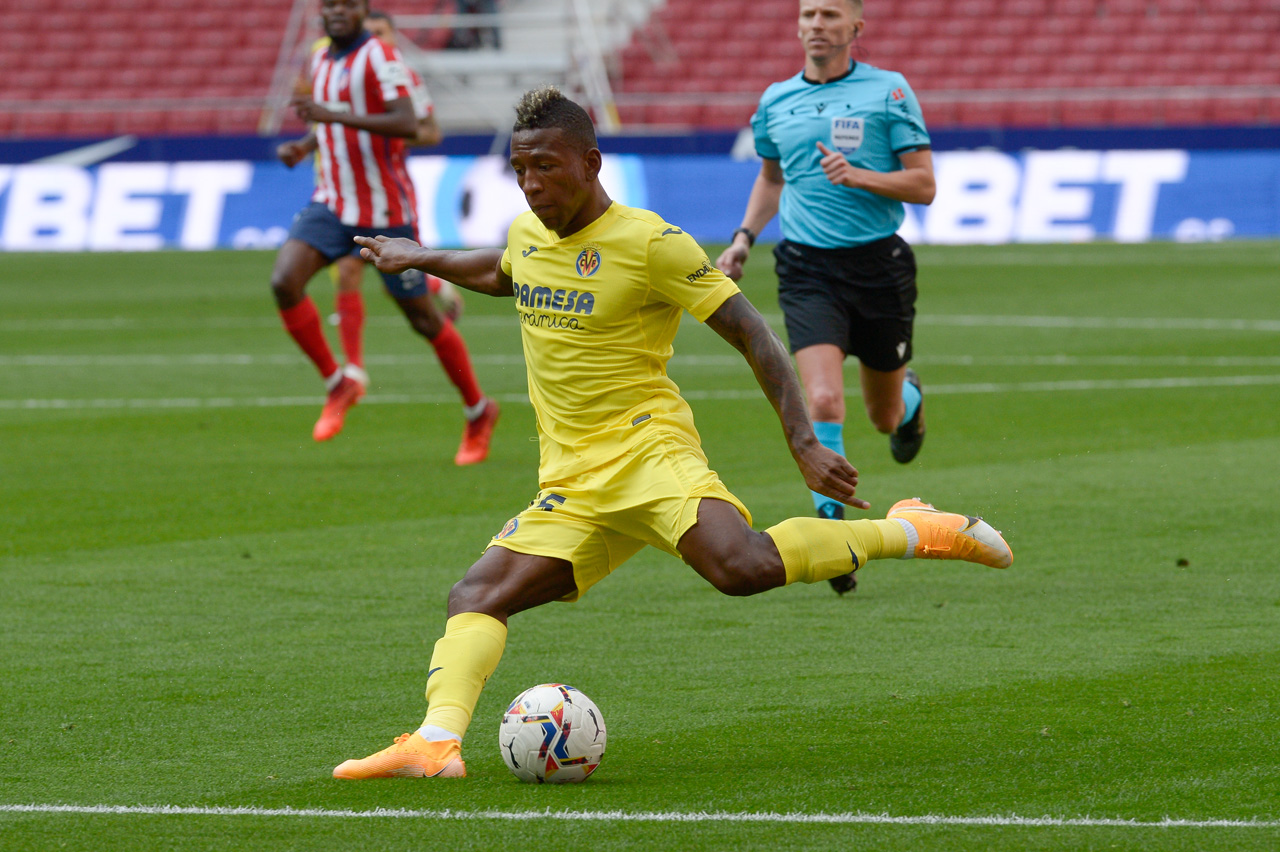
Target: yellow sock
x=463, y=659
x=815, y=549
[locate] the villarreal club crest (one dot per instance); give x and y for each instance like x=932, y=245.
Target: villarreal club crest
x=588, y=262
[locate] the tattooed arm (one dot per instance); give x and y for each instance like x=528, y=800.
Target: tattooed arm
x=826, y=472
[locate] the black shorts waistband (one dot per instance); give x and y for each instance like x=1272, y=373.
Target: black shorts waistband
x=872, y=248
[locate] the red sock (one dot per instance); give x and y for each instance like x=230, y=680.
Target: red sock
x=351, y=325
x=452, y=352
x=302, y=321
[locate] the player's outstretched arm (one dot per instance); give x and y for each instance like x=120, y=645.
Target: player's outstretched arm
x=826, y=472
x=479, y=270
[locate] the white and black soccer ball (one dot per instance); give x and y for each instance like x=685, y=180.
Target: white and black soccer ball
x=552, y=733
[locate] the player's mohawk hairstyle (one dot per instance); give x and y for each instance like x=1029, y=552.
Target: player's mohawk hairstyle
x=547, y=108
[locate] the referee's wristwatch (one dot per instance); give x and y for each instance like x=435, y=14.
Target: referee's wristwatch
x=751, y=236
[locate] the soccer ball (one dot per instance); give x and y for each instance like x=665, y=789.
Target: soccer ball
x=552, y=733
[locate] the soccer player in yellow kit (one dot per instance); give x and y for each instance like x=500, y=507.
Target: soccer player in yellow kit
x=599, y=289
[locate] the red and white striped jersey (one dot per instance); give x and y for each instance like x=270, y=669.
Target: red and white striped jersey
x=361, y=176
x=423, y=106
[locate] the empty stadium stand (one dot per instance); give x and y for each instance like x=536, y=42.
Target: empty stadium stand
x=99, y=67
x=1033, y=63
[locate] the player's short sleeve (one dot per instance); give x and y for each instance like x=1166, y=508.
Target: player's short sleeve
x=681, y=273
x=906, y=121
x=394, y=77
x=505, y=263
x=765, y=146
x=422, y=104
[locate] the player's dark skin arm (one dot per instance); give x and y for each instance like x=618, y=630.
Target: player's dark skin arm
x=479, y=270
x=295, y=151
x=398, y=120
x=826, y=472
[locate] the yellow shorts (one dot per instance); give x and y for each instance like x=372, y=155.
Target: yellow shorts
x=601, y=518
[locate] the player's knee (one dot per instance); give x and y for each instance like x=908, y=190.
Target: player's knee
x=826, y=405
x=470, y=594
x=423, y=322
x=286, y=289
x=736, y=574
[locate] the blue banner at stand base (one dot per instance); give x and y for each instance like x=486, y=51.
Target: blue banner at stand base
x=984, y=197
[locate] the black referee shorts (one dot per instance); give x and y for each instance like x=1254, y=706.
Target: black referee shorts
x=862, y=299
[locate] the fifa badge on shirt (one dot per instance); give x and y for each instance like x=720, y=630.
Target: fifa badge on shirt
x=846, y=134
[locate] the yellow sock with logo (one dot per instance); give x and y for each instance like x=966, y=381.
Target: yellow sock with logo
x=815, y=549
x=463, y=659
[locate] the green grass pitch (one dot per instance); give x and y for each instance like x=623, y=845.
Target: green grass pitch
x=201, y=608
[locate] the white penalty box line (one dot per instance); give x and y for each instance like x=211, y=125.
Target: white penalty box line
x=1011, y=820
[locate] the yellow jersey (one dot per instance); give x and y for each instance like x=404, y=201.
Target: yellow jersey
x=598, y=312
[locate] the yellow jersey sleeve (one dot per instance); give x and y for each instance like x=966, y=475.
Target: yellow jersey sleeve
x=680, y=273
x=505, y=263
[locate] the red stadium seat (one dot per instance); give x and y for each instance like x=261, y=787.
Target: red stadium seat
x=238, y=120
x=1033, y=114
x=1125, y=7
x=1248, y=110
x=36, y=125
x=90, y=124
x=1085, y=113
x=982, y=114
x=679, y=115
x=631, y=115
x=726, y=115
x=141, y=122
x=1028, y=8
x=1135, y=112
x=1186, y=111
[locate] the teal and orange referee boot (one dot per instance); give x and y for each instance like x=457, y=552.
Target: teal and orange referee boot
x=409, y=757
x=933, y=534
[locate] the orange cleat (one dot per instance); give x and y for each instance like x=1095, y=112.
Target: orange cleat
x=410, y=757
x=946, y=535
x=344, y=395
x=475, y=439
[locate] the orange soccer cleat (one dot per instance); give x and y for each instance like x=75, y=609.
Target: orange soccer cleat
x=410, y=757
x=946, y=535
x=345, y=394
x=475, y=439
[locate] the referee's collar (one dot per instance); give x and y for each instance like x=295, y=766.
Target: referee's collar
x=354, y=46
x=853, y=63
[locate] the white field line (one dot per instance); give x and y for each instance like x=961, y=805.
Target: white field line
x=692, y=395
x=642, y=816
x=726, y=360
x=965, y=320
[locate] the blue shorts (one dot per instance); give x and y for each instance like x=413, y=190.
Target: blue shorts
x=317, y=226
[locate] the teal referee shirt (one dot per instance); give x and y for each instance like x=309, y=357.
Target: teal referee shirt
x=871, y=116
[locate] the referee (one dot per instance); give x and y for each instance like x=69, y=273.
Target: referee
x=843, y=145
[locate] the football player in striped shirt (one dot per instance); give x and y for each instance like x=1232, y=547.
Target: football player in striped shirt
x=362, y=111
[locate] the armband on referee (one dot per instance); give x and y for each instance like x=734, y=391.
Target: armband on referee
x=751, y=236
